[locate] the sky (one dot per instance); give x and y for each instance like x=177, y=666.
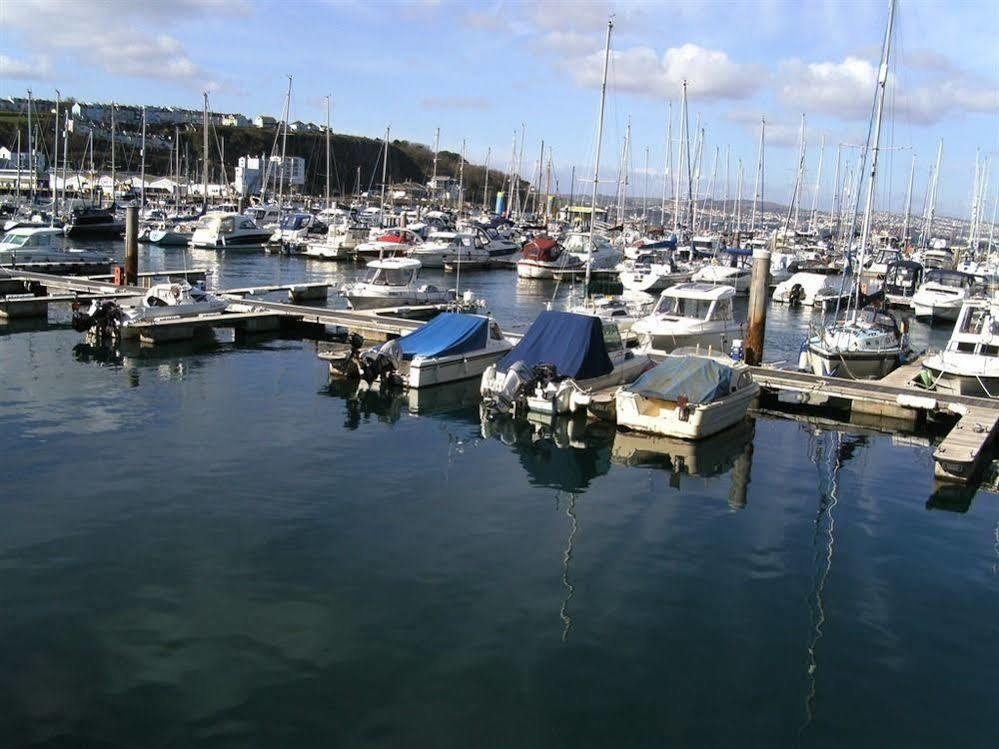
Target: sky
x=483, y=71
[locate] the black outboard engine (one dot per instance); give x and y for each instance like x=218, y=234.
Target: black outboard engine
x=796, y=295
x=102, y=321
x=382, y=364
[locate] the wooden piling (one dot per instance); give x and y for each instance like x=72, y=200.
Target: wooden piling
x=758, y=288
x=131, y=246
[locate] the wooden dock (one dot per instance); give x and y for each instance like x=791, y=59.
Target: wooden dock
x=169, y=330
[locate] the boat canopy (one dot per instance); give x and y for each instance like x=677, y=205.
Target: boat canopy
x=447, y=334
x=573, y=343
x=544, y=249
x=697, y=378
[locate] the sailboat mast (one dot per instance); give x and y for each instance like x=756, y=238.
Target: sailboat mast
x=328, y=136
x=55, y=187
x=32, y=176
x=800, y=177
x=667, y=170
x=813, y=220
x=204, y=159
x=18, y=183
x=835, y=200
x=485, y=183
x=908, y=202
x=461, y=180
x=680, y=158
x=738, y=202
x=284, y=146
x=931, y=208
x=113, y=170
x=758, y=190
x=384, y=175
x=142, y=167
x=596, y=160
x=645, y=192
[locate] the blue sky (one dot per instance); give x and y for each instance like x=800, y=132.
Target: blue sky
x=481, y=70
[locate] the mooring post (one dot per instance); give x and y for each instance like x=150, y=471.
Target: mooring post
x=758, y=289
x=132, y=246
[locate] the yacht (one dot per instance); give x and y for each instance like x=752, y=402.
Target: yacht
x=866, y=345
x=451, y=347
x=687, y=395
x=228, y=231
x=560, y=361
x=42, y=244
x=172, y=233
x=942, y=293
x=902, y=279
x=340, y=241
x=496, y=244
x=604, y=255
x=736, y=273
x=624, y=310
x=543, y=257
x=817, y=290
x=689, y=314
x=93, y=222
x=969, y=365
x=388, y=243
x=393, y=283
x=298, y=229
x=444, y=247
x=652, y=271
x=265, y=216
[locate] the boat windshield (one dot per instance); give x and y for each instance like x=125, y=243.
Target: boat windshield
x=949, y=278
x=391, y=277
x=206, y=222
x=294, y=222
x=695, y=309
x=873, y=317
x=14, y=240
x=974, y=320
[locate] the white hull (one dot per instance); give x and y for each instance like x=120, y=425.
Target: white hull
x=536, y=269
x=442, y=370
x=962, y=384
x=401, y=298
x=937, y=311
x=852, y=365
x=663, y=418
x=657, y=345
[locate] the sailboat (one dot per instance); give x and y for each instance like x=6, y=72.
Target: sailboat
x=864, y=343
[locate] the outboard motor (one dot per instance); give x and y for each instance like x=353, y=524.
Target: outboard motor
x=796, y=295
x=382, y=364
x=102, y=321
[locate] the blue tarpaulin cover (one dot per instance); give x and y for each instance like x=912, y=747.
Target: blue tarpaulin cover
x=573, y=343
x=700, y=379
x=447, y=334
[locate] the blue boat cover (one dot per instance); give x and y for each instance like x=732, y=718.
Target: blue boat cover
x=573, y=343
x=447, y=334
x=700, y=379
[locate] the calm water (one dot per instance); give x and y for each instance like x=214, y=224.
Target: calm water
x=204, y=545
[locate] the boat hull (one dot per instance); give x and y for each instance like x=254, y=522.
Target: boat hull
x=440, y=371
x=664, y=418
x=852, y=365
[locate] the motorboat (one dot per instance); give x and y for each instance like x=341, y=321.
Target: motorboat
x=737, y=272
x=689, y=314
x=604, y=254
x=228, y=231
x=652, y=271
x=452, y=346
x=339, y=242
x=388, y=243
x=624, y=310
x=496, y=244
x=805, y=289
x=969, y=365
x=42, y=244
x=942, y=294
x=782, y=266
x=902, y=279
x=265, y=216
x=298, y=229
x=393, y=283
x=880, y=262
x=687, y=395
x=171, y=234
x=543, y=257
x=444, y=247
x=109, y=319
x=93, y=222
x=867, y=344
x=561, y=360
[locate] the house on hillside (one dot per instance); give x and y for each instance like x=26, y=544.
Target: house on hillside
x=264, y=121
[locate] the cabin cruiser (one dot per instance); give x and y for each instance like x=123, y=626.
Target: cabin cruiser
x=902, y=279
x=452, y=346
x=604, y=254
x=444, y=247
x=736, y=273
x=688, y=395
x=388, y=243
x=652, y=271
x=112, y=320
x=543, y=257
x=969, y=365
x=688, y=314
x=865, y=345
x=172, y=233
x=878, y=265
x=339, y=243
x=265, y=216
x=624, y=310
x=782, y=266
x=560, y=361
x=393, y=283
x=93, y=222
x=496, y=244
x=228, y=231
x=42, y=244
x=297, y=229
x=942, y=293
x=936, y=257
x=817, y=290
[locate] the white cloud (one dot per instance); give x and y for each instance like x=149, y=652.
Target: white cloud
x=710, y=74
x=846, y=90
x=455, y=102
x=36, y=68
x=571, y=43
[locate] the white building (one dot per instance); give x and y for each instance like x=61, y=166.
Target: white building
x=249, y=174
x=9, y=160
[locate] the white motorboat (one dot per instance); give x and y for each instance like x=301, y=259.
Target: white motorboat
x=452, y=346
x=265, y=216
x=942, y=294
x=902, y=280
x=228, y=231
x=689, y=314
x=171, y=234
x=652, y=272
x=687, y=395
x=811, y=290
x=162, y=301
x=444, y=247
x=388, y=243
x=496, y=244
x=393, y=283
x=298, y=228
x=865, y=345
x=624, y=310
x=543, y=257
x=42, y=244
x=560, y=361
x=735, y=273
x=604, y=255
x=969, y=365
x=339, y=243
